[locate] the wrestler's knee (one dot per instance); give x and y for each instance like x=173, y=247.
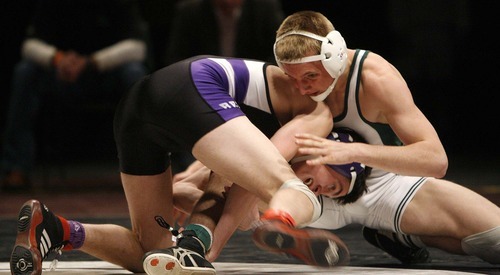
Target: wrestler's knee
x=484, y=245
x=298, y=185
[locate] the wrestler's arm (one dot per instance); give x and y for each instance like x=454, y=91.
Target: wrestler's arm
x=386, y=99
x=188, y=191
x=318, y=122
x=240, y=206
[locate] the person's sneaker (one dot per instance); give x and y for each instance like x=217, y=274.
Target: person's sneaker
x=391, y=245
x=187, y=258
x=312, y=246
x=39, y=232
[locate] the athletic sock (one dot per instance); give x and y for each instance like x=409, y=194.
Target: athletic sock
x=77, y=234
x=73, y=233
x=280, y=215
x=202, y=233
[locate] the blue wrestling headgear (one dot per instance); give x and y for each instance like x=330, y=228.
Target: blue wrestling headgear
x=333, y=56
x=350, y=170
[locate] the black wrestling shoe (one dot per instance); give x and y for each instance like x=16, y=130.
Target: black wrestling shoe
x=394, y=247
x=39, y=232
x=312, y=246
x=187, y=258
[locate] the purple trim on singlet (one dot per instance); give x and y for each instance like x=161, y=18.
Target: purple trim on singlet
x=213, y=85
x=242, y=76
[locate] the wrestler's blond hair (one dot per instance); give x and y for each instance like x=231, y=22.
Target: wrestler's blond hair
x=294, y=47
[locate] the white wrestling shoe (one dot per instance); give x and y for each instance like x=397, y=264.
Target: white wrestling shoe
x=185, y=259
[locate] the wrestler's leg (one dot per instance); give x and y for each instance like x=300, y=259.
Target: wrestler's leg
x=194, y=241
x=237, y=147
x=451, y=245
x=122, y=246
x=239, y=152
x=445, y=209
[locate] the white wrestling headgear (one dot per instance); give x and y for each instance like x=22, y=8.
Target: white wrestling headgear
x=333, y=56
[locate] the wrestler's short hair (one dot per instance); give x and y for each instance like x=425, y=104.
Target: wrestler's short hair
x=295, y=46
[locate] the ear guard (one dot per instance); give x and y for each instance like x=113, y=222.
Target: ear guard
x=333, y=53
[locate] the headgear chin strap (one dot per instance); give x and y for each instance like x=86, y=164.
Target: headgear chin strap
x=333, y=56
x=350, y=170
x=323, y=95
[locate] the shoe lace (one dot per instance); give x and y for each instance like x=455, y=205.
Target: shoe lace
x=177, y=236
x=58, y=250
x=163, y=223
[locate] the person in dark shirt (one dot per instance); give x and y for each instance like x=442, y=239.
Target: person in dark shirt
x=73, y=50
x=233, y=28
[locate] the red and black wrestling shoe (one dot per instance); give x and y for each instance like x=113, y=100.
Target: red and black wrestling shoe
x=39, y=232
x=275, y=233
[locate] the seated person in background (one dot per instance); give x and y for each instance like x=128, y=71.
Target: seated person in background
x=232, y=28
x=76, y=50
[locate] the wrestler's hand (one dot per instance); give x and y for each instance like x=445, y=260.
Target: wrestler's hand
x=71, y=66
x=192, y=168
x=327, y=151
x=185, y=196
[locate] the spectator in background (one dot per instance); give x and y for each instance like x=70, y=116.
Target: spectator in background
x=158, y=14
x=73, y=49
x=231, y=28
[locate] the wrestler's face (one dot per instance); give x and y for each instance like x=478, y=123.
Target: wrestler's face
x=310, y=78
x=322, y=180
